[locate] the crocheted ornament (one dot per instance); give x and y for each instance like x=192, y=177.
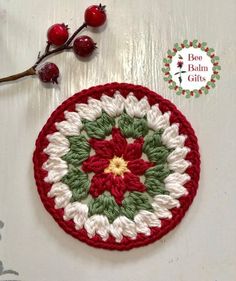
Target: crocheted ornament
x=117, y=166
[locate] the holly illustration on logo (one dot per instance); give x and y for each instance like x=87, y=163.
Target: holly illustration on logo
x=201, y=68
x=117, y=166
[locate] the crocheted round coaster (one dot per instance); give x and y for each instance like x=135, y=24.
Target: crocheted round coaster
x=117, y=166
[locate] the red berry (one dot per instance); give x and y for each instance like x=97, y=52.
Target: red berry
x=48, y=72
x=95, y=15
x=83, y=46
x=58, y=34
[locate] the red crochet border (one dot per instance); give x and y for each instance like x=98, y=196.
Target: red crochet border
x=185, y=128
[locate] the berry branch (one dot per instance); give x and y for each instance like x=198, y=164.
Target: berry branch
x=65, y=46
x=58, y=37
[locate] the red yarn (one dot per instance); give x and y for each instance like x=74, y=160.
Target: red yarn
x=103, y=148
x=184, y=128
x=116, y=184
x=139, y=166
x=134, y=150
x=95, y=164
x=133, y=183
x=119, y=142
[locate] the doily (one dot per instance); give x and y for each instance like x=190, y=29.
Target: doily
x=117, y=166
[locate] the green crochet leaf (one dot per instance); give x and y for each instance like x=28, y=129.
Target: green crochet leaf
x=158, y=154
x=154, y=179
x=159, y=172
x=78, y=183
x=106, y=205
x=154, y=186
x=132, y=127
x=135, y=202
x=79, y=150
x=101, y=127
x=153, y=140
x=154, y=149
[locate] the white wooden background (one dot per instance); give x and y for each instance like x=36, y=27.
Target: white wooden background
x=131, y=49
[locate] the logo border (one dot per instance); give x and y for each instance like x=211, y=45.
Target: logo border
x=209, y=85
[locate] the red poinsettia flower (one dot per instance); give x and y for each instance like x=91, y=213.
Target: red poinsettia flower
x=117, y=166
x=180, y=64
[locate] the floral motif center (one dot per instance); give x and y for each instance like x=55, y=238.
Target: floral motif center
x=117, y=166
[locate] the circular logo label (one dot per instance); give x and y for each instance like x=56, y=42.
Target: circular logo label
x=191, y=68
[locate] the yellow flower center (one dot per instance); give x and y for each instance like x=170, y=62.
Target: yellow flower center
x=117, y=166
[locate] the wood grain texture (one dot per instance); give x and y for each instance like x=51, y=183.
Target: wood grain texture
x=131, y=48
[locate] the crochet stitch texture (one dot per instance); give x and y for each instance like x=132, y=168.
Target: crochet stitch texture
x=117, y=166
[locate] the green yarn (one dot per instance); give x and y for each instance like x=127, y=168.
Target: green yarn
x=78, y=183
x=101, y=127
x=79, y=150
x=158, y=154
x=154, y=148
x=159, y=172
x=154, y=186
x=106, y=205
x=135, y=202
x=132, y=127
x=153, y=140
x=154, y=179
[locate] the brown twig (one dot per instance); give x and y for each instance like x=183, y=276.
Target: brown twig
x=47, y=52
x=28, y=72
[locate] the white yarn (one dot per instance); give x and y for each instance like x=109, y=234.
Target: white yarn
x=74, y=118
x=174, y=183
x=178, y=154
x=179, y=166
x=62, y=194
x=166, y=201
x=78, y=212
x=58, y=146
x=156, y=120
x=56, y=167
x=136, y=108
x=171, y=137
x=90, y=111
x=162, y=203
x=113, y=106
x=73, y=209
x=176, y=190
x=97, y=224
x=121, y=226
x=177, y=178
x=67, y=128
x=145, y=219
x=80, y=218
